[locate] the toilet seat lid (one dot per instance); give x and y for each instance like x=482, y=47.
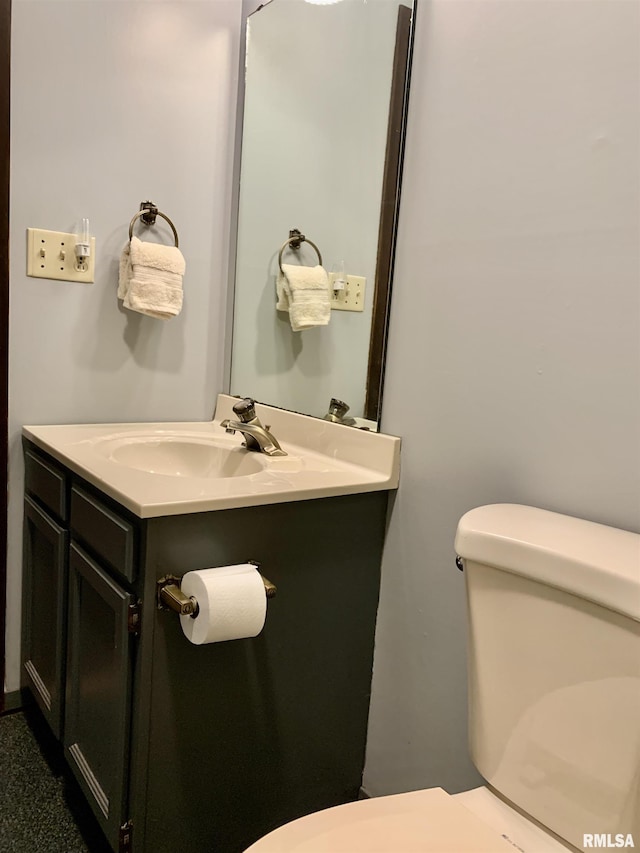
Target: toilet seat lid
x=428, y=821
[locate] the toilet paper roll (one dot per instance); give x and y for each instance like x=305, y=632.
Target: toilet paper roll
x=232, y=604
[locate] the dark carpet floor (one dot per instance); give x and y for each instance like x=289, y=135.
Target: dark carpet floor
x=41, y=808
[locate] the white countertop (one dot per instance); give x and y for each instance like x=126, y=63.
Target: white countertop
x=324, y=460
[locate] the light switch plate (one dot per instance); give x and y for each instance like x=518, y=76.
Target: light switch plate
x=351, y=298
x=51, y=254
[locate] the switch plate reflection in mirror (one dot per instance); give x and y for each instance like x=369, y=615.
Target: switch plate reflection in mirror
x=351, y=297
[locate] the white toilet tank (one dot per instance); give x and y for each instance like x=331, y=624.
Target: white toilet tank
x=554, y=667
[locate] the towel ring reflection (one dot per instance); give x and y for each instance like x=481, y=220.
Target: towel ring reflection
x=295, y=238
x=148, y=212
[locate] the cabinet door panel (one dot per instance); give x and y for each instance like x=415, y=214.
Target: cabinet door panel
x=45, y=548
x=99, y=673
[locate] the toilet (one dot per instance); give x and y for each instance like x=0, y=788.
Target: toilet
x=554, y=702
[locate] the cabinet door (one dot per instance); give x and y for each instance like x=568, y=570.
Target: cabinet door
x=45, y=596
x=98, y=696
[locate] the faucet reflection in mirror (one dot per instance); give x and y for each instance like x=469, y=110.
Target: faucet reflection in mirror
x=324, y=109
x=337, y=413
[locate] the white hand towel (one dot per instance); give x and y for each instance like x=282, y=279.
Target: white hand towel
x=304, y=292
x=150, y=279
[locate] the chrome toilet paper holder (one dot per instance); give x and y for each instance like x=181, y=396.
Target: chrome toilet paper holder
x=171, y=597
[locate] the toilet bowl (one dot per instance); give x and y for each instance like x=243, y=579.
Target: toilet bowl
x=429, y=821
x=554, y=702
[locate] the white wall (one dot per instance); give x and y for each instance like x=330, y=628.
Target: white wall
x=114, y=103
x=516, y=293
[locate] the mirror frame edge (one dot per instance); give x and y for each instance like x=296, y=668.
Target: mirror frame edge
x=382, y=299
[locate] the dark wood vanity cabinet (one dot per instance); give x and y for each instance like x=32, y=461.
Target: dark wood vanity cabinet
x=78, y=636
x=192, y=748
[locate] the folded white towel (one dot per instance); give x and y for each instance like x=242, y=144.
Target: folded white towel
x=150, y=279
x=304, y=292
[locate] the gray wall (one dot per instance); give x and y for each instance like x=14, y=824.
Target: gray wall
x=514, y=365
x=114, y=103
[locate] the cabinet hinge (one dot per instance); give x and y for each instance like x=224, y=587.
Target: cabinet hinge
x=133, y=617
x=125, y=837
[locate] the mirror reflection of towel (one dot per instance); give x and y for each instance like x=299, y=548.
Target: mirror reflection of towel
x=305, y=293
x=150, y=279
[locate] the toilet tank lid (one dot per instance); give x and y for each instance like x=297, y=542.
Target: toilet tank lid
x=592, y=561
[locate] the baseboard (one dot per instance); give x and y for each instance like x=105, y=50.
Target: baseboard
x=14, y=700
x=363, y=794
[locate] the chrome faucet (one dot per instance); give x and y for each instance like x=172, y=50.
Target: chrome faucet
x=257, y=437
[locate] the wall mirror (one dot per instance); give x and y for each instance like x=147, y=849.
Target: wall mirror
x=322, y=139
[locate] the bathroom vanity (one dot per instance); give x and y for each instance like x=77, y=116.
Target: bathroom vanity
x=185, y=747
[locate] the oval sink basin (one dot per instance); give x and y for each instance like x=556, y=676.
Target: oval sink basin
x=179, y=456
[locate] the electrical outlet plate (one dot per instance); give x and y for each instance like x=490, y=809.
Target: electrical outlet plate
x=51, y=254
x=351, y=298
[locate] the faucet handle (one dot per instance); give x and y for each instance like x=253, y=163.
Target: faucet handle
x=245, y=410
x=338, y=408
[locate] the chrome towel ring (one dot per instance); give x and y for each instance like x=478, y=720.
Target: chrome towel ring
x=148, y=212
x=295, y=238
